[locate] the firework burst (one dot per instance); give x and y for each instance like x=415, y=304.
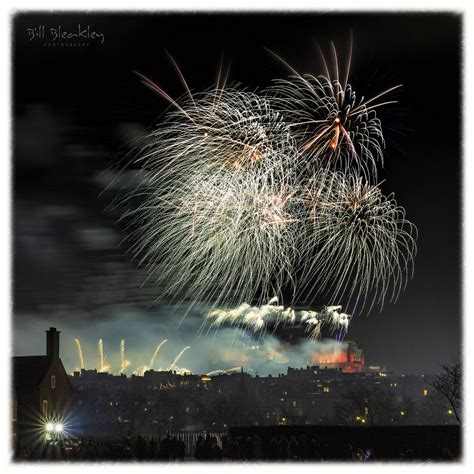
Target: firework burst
x=215, y=223
x=357, y=243
x=247, y=196
x=333, y=128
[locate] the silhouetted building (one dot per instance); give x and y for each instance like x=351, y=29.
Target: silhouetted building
x=42, y=390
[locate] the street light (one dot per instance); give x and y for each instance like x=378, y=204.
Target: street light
x=52, y=428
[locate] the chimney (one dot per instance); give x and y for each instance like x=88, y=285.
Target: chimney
x=52, y=343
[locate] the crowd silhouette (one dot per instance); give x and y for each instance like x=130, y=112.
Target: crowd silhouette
x=206, y=448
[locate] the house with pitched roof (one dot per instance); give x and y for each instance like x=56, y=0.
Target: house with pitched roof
x=41, y=392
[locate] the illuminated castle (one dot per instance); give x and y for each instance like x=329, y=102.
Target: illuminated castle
x=351, y=360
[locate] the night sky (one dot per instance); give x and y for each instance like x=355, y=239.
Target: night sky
x=78, y=109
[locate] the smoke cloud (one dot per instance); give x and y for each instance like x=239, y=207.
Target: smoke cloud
x=210, y=348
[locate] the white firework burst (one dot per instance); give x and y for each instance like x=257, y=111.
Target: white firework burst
x=215, y=223
x=358, y=243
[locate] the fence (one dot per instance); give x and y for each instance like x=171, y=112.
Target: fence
x=190, y=438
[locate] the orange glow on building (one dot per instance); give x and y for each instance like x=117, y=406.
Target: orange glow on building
x=351, y=360
x=337, y=357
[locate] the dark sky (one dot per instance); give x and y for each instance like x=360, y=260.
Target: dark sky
x=77, y=108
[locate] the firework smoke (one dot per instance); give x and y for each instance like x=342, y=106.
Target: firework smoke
x=232, y=346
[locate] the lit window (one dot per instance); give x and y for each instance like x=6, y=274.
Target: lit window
x=425, y=392
x=45, y=407
x=53, y=381
x=294, y=403
x=326, y=389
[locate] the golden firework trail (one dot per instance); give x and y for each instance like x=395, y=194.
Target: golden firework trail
x=124, y=363
x=79, y=351
x=176, y=360
x=103, y=367
x=158, y=347
x=233, y=370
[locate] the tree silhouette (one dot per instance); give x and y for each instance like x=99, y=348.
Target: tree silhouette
x=448, y=386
